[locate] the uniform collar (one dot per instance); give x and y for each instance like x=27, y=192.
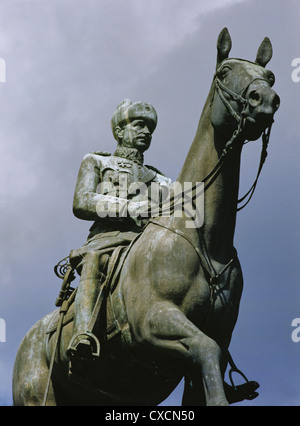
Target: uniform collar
x=130, y=154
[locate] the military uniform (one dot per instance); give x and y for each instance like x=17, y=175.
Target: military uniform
x=114, y=230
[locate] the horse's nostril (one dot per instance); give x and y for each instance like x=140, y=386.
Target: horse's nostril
x=254, y=98
x=276, y=102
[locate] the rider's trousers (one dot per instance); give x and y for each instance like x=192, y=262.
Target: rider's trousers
x=92, y=275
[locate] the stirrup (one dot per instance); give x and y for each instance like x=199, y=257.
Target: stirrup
x=84, y=339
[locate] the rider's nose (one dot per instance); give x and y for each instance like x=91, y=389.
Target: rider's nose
x=146, y=129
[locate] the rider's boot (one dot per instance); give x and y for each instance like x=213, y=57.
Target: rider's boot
x=84, y=347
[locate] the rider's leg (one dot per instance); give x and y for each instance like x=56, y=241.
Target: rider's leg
x=84, y=344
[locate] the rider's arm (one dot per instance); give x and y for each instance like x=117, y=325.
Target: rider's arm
x=88, y=204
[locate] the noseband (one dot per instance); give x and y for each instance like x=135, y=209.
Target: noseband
x=221, y=88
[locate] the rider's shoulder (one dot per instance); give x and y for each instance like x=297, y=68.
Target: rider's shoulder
x=154, y=169
x=96, y=156
x=159, y=176
x=101, y=153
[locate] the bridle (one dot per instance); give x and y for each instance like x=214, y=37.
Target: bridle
x=241, y=118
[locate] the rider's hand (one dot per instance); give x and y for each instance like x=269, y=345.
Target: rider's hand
x=139, y=209
x=109, y=206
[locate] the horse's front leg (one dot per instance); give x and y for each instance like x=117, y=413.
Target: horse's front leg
x=166, y=327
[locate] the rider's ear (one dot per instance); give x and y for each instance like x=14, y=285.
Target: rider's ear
x=223, y=45
x=119, y=132
x=265, y=52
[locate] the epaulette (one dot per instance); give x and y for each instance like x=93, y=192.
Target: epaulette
x=155, y=170
x=104, y=153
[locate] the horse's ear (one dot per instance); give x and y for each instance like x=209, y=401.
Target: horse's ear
x=265, y=52
x=223, y=45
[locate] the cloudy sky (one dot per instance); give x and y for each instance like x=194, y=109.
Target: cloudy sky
x=68, y=65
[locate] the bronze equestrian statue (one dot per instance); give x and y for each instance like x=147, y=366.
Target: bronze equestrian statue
x=168, y=308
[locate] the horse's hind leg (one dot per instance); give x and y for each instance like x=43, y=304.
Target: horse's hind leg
x=31, y=370
x=166, y=327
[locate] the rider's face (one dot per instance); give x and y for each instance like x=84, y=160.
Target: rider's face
x=137, y=134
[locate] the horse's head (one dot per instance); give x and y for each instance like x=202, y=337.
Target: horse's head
x=242, y=91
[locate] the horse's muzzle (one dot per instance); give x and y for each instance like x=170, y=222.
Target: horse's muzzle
x=262, y=103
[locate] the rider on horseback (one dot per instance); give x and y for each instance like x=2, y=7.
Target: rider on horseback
x=100, y=195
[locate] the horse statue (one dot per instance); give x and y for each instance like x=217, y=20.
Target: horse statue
x=173, y=306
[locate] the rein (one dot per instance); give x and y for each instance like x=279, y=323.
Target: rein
x=263, y=156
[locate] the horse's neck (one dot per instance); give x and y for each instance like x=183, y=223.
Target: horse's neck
x=220, y=198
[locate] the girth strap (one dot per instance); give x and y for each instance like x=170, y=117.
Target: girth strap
x=214, y=279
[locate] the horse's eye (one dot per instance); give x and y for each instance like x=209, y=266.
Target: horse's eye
x=271, y=78
x=225, y=70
